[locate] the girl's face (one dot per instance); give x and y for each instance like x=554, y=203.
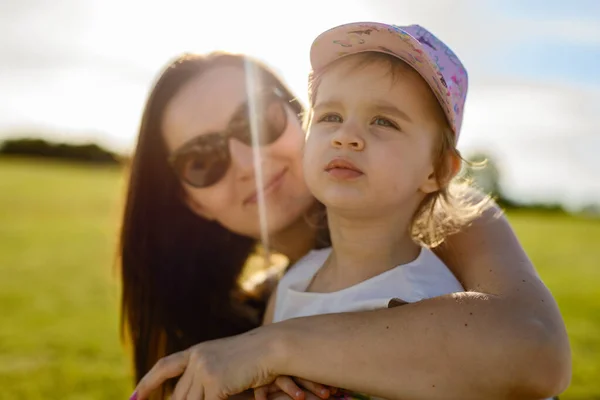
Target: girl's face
x=211, y=104
x=371, y=138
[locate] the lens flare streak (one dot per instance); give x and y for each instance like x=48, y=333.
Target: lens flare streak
x=251, y=84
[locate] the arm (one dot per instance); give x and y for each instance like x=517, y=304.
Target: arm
x=503, y=338
x=284, y=384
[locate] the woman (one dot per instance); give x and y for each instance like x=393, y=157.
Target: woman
x=191, y=223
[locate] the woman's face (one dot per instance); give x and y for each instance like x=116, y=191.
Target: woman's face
x=206, y=105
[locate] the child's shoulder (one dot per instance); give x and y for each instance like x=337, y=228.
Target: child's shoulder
x=307, y=265
x=431, y=276
x=429, y=262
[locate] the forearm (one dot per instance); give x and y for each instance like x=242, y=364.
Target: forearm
x=464, y=346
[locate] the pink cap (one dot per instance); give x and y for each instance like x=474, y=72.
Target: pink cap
x=415, y=45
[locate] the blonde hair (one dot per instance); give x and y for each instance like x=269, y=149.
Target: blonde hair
x=456, y=204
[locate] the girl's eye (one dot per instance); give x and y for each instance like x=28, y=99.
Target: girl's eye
x=381, y=121
x=330, y=118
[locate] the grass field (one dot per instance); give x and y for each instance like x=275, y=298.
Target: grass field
x=59, y=289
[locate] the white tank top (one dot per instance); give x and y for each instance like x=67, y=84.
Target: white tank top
x=423, y=278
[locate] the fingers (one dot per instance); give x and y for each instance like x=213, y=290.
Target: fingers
x=166, y=368
x=284, y=396
x=183, y=386
x=288, y=386
x=310, y=396
x=279, y=396
x=261, y=393
x=196, y=391
x=316, y=388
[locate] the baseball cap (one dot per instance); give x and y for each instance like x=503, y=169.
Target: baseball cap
x=413, y=44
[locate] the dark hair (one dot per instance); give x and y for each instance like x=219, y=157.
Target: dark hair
x=180, y=271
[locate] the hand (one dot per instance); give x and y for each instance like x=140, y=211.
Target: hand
x=279, y=395
x=290, y=386
x=214, y=370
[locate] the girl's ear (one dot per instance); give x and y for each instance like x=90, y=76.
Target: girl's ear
x=432, y=184
x=455, y=165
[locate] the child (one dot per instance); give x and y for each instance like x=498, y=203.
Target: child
x=386, y=107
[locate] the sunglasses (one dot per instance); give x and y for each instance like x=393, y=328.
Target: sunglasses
x=204, y=160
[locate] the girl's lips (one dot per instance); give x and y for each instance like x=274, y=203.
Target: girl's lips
x=343, y=169
x=342, y=163
x=344, y=174
x=272, y=184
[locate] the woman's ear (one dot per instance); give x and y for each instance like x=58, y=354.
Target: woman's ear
x=197, y=207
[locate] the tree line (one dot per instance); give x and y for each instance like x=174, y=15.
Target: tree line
x=485, y=172
x=90, y=153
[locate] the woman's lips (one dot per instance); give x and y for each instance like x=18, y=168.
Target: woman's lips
x=272, y=184
x=343, y=169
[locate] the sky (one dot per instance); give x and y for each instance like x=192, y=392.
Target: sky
x=80, y=70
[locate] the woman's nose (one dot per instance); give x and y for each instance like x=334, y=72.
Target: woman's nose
x=242, y=158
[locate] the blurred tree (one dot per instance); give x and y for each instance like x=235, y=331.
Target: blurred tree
x=484, y=173
x=31, y=147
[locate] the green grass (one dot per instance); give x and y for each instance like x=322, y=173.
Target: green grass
x=566, y=252
x=59, y=330
x=59, y=290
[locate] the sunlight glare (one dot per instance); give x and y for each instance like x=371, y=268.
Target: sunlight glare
x=251, y=84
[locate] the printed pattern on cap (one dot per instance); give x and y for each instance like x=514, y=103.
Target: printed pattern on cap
x=428, y=55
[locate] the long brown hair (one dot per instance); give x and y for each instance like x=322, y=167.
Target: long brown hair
x=180, y=272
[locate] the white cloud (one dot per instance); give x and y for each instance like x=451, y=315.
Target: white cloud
x=544, y=137
x=87, y=67
x=578, y=31
x=539, y=110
